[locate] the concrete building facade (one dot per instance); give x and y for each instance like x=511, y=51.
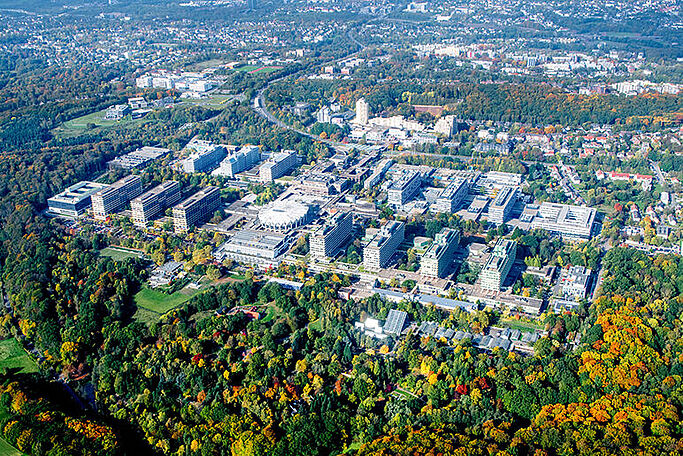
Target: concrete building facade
x=326, y=239
x=152, y=203
x=196, y=209
x=383, y=245
x=115, y=196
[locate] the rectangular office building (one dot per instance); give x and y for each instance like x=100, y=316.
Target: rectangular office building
x=278, y=165
x=196, y=209
x=565, y=220
x=152, y=203
x=502, y=205
x=238, y=161
x=254, y=247
x=138, y=158
x=439, y=255
x=450, y=197
x=205, y=158
x=326, y=239
x=75, y=200
x=498, y=265
x=115, y=196
x=383, y=245
x=404, y=188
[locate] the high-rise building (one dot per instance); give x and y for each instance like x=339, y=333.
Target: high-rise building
x=196, y=209
x=326, y=239
x=446, y=126
x=152, y=203
x=439, y=255
x=383, y=245
x=115, y=196
x=502, y=205
x=362, y=112
x=403, y=188
x=498, y=265
x=450, y=197
x=205, y=158
x=277, y=166
x=75, y=200
x=238, y=161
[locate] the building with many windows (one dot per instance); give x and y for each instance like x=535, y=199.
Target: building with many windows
x=254, y=247
x=404, y=188
x=450, y=197
x=498, y=265
x=238, y=161
x=75, y=200
x=278, y=165
x=138, y=158
x=196, y=209
x=326, y=239
x=153, y=203
x=115, y=196
x=573, y=283
x=205, y=158
x=362, y=112
x=383, y=245
x=502, y=205
x=565, y=220
x=439, y=256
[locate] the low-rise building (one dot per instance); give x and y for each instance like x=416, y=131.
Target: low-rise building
x=115, y=196
x=196, y=209
x=138, y=158
x=75, y=200
x=573, y=283
x=253, y=247
x=565, y=220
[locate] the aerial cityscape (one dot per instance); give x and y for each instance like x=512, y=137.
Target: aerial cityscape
x=341, y=227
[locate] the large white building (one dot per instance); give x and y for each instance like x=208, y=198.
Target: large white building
x=450, y=197
x=152, y=203
x=254, y=247
x=326, y=239
x=498, y=266
x=115, y=196
x=196, y=209
x=285, y=215
x=75, y=200
x=238, y=161
x=277, y=166
x=403, y=188
x=439, y=255
x=502, y=205
x=383, y=245
x=362, y=112
x=565, y=220
x=138, y=158
x=204, y=158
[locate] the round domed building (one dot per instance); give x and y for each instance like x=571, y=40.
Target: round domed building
x=285, y=215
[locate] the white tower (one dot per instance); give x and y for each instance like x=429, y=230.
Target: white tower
x=362, y=112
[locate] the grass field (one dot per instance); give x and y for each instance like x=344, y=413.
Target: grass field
x=79, y=125
x=118, y=254
x=8, y=450
x=257, y=69
x=13, y=356
x=160, y=303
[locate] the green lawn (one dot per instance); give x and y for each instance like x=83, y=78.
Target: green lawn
x=13, y=356
x=77, y=126
x=521, y=325
x=119, y=254
x=159, y=302
x=8, y=450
